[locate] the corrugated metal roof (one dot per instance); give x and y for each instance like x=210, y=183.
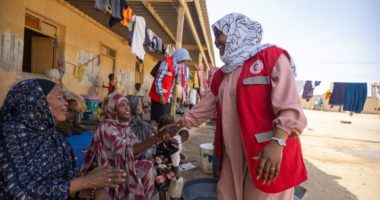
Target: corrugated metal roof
x=167, y=12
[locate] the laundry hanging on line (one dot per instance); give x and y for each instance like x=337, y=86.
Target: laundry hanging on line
x=137, y=36
x=308, y=89
x=338, y=94
x=355, y=97
x=153, y=42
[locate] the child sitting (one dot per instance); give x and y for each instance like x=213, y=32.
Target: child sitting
x=167, y=158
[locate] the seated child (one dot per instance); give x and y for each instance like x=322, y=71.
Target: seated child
x=167, y=158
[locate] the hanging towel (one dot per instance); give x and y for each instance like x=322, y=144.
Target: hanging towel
x=337, y=95
x=137, y=36
x=355, y=97
x=308, y=90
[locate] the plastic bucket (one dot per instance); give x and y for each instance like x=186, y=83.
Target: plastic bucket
x=207, y=150
x=92, y=104
x=88, y=115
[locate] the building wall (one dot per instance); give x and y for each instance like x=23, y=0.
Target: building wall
x=79, y=37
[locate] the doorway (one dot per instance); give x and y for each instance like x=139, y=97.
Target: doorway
x=39, y=52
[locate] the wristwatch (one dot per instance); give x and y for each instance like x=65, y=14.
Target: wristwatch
x=279, y=141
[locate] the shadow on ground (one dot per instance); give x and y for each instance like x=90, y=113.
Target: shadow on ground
x=319, y=186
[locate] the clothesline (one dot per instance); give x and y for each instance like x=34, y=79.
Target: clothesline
x=140, y=35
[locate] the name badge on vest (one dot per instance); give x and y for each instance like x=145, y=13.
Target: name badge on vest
x=169, y=74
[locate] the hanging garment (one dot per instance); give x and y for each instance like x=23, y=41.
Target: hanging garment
x=137, y=37
x=183, y=82
x=375, y=90
x=117, y=8
x=355, y=97
x=327, y=94
x=115, y=19
x=79, y=72
x=153, y=42
x=127, y=14
x=187, y=73
x=100, y=4
x=307, y=90
x=169, y=50
x=160, y=46
x=337, y=95
x=196, y=80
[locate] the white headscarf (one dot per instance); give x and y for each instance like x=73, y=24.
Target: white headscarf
x=243, y=39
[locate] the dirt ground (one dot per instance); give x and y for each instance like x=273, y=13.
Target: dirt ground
x=342, y=158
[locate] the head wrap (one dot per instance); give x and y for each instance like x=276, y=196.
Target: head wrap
x=180, y=55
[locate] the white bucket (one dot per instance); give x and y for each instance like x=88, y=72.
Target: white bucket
x=207, y=150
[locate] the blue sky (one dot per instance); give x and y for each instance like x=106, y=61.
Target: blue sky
x=330, y=40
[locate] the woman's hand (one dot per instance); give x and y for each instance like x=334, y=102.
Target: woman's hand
x=164, y=133
x=171, y=129
x=270, y=161
x=105, y=176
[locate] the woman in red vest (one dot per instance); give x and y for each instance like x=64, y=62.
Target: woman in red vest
x=161, y=91
x=259, y=115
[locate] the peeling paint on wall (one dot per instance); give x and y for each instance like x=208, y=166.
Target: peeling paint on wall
x=124, y=81
x=11, y=52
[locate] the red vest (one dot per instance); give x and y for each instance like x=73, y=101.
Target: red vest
x=253, y=101
x=167, y=82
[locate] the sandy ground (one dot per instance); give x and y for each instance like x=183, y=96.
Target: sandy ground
x=341, y=158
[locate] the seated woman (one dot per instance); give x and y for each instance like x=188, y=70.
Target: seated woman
x=115, y=143
x=36, y=160
x=140, y=128
x=72, y=125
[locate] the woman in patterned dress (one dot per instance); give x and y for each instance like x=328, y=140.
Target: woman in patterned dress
x=115, y=143
x=36, y=161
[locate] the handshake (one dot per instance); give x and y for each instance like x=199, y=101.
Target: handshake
x=169, y=131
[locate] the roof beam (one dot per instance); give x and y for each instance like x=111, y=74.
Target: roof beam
x=193, y=47
x=193, y=30
x=190, y=47
x=180, y=22
x=154, y=13
x=204, y=30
